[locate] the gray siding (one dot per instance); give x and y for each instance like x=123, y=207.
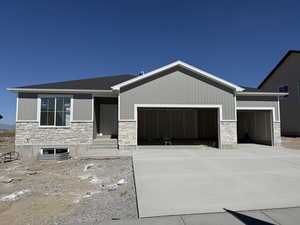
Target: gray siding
x=259, y=101
x=82, y=107
x=176, y=86
x=288, y=73
x=27, y=106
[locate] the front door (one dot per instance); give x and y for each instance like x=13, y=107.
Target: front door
x=109, y=119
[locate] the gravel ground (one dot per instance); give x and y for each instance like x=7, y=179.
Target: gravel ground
x=73, y=191
x=108, y=204
x=7, y=141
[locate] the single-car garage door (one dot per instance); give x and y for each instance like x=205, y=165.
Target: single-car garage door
x=254, y=126
x=178, y=126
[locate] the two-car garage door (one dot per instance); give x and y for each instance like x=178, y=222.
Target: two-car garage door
x=178, y=126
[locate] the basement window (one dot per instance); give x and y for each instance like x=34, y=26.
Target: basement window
x=53, y=151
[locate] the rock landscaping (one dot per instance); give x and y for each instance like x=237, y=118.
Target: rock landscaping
x=70, y=192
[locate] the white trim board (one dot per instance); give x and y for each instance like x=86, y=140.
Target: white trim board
x=119, y=107
x=261, y=108
x=261, y=93
x=185, y=66
x=235, y=106
x=17, y=108
x=278, y=105
x=218, y=107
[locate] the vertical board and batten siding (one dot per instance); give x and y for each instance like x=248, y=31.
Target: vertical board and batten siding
x=82, y=107
x=256, y=124
x=28, y=107
x=259, y=101
x=176, y=86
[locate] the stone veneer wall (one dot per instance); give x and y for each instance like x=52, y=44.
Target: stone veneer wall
x=277, y=133
x=127, y=134
x=228, y=134
x=30, y=137
x=29, y=133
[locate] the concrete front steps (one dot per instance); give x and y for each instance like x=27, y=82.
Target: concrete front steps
x=107, y=145
x=104, y=143
x=103, y=146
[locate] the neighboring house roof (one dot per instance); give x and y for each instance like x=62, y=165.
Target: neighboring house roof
x=278, y=65
x=185, y=66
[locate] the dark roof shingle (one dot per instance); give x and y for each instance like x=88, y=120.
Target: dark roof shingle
x=99, y=83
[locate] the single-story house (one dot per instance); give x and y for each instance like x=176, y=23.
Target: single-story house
x=177, y=104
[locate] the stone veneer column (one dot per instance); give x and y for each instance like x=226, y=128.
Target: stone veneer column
x=276, y=134
x=228, y=134
x=127, y=134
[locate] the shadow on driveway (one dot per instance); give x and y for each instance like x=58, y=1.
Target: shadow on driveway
x=247, y=220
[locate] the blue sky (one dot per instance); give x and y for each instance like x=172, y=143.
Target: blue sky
x=48, y=41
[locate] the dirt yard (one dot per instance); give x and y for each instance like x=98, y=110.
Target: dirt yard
x=7, y=140
x=291, y=142
x=72, y=191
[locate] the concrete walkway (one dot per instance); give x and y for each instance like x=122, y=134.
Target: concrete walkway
x=177, y=182
x=286, y=216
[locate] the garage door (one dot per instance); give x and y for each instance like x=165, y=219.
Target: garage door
x=254, y=126
x=173, y=126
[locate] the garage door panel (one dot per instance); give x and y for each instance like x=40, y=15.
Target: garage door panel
x=177, y=124
x=257, y=124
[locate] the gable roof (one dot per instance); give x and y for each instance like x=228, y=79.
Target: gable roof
x=278, y=65
x=183, y=65
x=99, y=83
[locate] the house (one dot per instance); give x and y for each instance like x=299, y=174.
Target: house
x=177, y=104
x=285, y=77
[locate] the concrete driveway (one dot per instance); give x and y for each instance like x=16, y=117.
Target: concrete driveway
x=176, y=181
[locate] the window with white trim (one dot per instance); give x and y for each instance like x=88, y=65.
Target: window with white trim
x=55, y=111
x=54, y=151
x=284, y=89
